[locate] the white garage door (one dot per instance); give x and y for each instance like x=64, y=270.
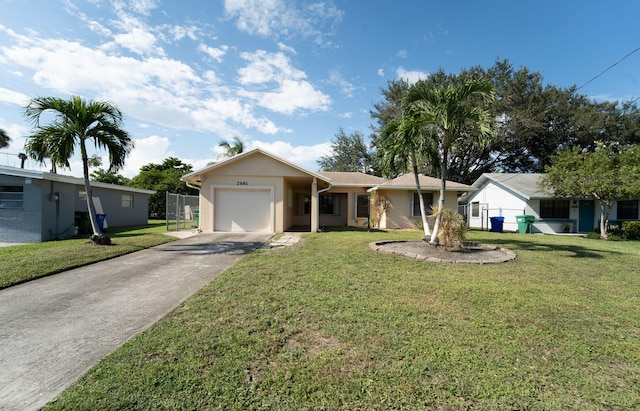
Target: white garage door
x=243, y=210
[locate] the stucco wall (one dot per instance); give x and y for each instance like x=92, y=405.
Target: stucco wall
x=398, y=215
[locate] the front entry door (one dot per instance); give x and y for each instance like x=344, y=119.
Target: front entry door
x=587, y=212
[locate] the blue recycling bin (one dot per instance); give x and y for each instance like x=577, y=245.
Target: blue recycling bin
x=100, y=218
x=497, y=224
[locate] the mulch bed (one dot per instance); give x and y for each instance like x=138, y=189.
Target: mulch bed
x=469, y=253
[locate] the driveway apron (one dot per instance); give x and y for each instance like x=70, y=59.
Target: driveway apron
x=54, y=329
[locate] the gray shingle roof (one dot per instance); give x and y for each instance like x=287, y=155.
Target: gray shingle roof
x=351, y=178
x=524, y=184
x=408, y=182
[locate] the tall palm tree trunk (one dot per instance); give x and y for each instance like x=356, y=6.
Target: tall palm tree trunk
x=423, y=209
x=97, y=233
x=443, y=188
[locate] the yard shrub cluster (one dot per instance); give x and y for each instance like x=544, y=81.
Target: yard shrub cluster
x=627, y=230
x=631, y=230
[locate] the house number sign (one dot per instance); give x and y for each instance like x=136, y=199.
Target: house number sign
x=242, y=183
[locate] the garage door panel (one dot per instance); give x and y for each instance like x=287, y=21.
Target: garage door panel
x=243, y=210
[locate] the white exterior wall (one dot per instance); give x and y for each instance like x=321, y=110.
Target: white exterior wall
x=496, y=201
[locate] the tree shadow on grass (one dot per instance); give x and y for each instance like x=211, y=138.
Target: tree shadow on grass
x=573, y=250
x=328, y=229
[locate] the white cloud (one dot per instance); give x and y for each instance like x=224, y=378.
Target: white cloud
x=266, y=67
x=143, y=7
x=412, y=76
x=284, y=18
x=335, y=78
x=292, y=96
x=291, y=92
x=213, y=52
x=287, y=49
x=304, y=156
x=153, y=149
x=180, y=32
x=157, y=90
x=13, y=97
x=402, y=54
x=380, y=72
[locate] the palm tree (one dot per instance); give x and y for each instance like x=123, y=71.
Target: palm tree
x=75, y=123
x=232, y=149
x=446, y=110
x=401, y=142
x=4, y=139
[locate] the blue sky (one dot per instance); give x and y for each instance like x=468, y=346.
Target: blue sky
x=284, y=75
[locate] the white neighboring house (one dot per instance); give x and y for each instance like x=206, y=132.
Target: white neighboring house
x=510, y=195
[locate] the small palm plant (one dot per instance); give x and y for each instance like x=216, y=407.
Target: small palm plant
x=453, y=228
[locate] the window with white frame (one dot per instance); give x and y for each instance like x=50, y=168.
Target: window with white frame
x=11, y=196
x=127, y=200
x=415, y=203
x=475, y=209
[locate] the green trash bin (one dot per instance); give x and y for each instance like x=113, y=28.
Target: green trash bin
x=196, y=214
x=83, y=222
x=524, y=223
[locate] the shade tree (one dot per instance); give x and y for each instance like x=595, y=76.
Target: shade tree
x=349, y=152
x=607, y=174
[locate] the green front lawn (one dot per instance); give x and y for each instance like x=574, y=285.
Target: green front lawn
x=21, y=263
x=330, y=324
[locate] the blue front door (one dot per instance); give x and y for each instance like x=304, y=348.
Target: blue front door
x=587, y=212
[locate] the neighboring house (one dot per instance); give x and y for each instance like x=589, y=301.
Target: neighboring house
x=403, y=209
x=509, y=195
x=258, y=191
x=37, y=206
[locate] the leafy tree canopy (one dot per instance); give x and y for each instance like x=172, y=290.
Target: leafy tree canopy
x=110, y=177
x=533, y=121
x=349, y=153
x=607, y=174
x=163, y=178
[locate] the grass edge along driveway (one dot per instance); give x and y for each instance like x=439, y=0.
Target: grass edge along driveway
x=22, y=263
x=330, y=324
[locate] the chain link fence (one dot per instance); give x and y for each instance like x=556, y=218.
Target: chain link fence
x=182, y=212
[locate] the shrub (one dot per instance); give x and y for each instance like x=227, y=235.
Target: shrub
x=631, y=230
x=453, y=228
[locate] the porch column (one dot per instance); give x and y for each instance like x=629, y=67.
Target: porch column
x=315, y=211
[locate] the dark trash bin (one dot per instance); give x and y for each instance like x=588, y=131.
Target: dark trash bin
x=83, y=222
x=524, y=223
x=496, y=224
x=100, y=218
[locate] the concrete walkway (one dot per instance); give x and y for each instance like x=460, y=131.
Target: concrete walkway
x=54, y=329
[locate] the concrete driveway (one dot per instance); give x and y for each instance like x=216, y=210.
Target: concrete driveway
x=54, y=329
